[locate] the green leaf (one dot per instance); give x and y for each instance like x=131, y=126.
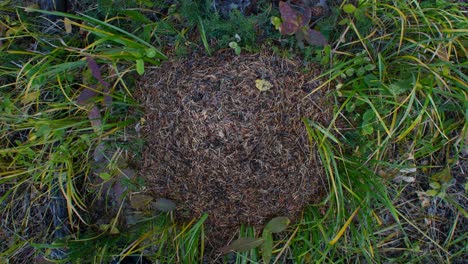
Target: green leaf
x=105, y=176
x=277, y=224
x=367, y=130
x=233, y=45
x=150, y=53
x=349, y=72
x=369, y=67
x=237, y=50
x=343, y=22
x=276, y=21
x=349, y=8
x=432, y=193
x=267, y=246
x=140, y=66
x=361, y=71
x=368, y=116
x=242, y=244
x=435, y=185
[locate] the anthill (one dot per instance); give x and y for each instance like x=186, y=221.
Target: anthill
x=225, y=135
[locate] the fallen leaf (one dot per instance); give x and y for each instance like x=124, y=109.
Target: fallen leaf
x=164, y=205
x=407, y=179
x=424, y=199
x=29, y=97
x=409, y=170
x=85, y=96
x=314, y=37
x=290, y=20
x=68, y=25
x=95, y=71
x=277, y=224
x=140, y=201
x=94, y=116
x=242, y=244
x=263, y=85
x=99, y=152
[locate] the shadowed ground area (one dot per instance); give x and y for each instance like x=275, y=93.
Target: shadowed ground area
x=217, y=144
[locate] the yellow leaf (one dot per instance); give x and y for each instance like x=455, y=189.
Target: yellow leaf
x=345, y=226
x=29, y=97
x=68, y=25
x=263, y=85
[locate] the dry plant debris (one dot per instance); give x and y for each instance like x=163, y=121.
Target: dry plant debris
x=217, y=144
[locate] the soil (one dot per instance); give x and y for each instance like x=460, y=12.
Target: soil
x=217, y=144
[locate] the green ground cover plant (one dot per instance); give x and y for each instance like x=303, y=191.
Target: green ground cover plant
x=397, y=70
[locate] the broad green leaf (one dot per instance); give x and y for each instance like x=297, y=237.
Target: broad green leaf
x=150, y=53
x=242, y=244
x=369, y=67
x=368, y=116
x=267, y=246
x=361, y=71
x=432, y=193
x=164, y=205
x=277, y=224
x=367, y=130
x=349, y=72
x=140, y=66
x=233, y=44
x=349, y=8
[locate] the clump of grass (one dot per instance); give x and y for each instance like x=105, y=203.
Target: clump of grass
x=221, y=31
x=397, y=68
x=47, y=137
